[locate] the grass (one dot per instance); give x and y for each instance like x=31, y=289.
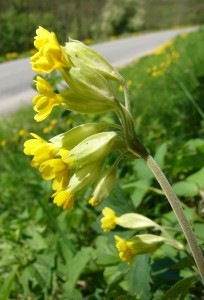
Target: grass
x=47, y=253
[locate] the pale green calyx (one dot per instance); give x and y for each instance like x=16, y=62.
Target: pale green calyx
x=91, y=58
x=136, y=221
x=87, y=82
x=91, y=149
x=146, y=243
x=77, y=103
x=76, y=135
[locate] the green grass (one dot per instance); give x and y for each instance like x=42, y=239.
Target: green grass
x=47, y=253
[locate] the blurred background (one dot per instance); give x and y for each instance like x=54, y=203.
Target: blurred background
x=90, y=19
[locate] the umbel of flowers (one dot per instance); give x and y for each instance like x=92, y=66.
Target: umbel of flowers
x=76, y=159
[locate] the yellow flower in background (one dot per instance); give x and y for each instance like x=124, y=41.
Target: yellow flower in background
x=46, y=100
x=49, y=56
x=88, y=41
x=50, y=126
x=64, y=198
x=109, y=221
x=11, y=55
x=3, y=143
x=22, y=132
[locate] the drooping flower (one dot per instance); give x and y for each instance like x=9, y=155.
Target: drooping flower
x=50, y=55
x=109, y=221
x=125, y=248
x=139, y=244
x=46, y=100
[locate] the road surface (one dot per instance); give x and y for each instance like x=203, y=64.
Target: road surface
x=16, y=77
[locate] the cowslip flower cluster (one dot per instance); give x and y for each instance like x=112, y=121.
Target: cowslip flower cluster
x=137, y=244
x=76, y=159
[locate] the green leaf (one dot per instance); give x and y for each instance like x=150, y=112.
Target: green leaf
x=179, y=290
x=112, y=274
x=160, y=155
x=37, y=242
x=142, y=170
x=197, y=178
x=106, y=252
x=7, y=285
x=141, y=188
x=78, y=264
x=139, y=277
x=186, y=189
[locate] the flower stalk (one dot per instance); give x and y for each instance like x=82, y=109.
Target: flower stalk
x=178, y=210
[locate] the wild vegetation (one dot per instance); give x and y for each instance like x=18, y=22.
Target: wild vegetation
x=90, y=19
x=48, y=253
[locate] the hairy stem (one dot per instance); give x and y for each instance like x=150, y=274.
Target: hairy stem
x=178, y=210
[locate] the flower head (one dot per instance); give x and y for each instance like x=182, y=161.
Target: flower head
x=46, y=100
x=49, y=56
x=109, y=221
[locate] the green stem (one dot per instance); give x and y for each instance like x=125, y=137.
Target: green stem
x=126, y=93
x=178, y=210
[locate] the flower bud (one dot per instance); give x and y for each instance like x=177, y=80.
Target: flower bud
x=104, y=186
x=91, y=58
x=85, y=176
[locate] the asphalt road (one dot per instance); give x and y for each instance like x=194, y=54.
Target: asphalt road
x=16, y=76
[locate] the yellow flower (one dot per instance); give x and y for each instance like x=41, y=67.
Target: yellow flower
x=46, y=100
x=64, y=198
x=125, y=248
x=109, y=221
x=49, y=56
x=56, y=169
x=40, y=149
x=139, y=244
